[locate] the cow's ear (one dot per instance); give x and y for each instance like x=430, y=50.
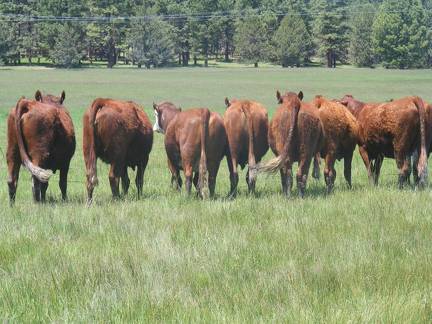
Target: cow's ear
x=155, y=107
x=62, y=97
x=38, y=96
x=278, y=96
x=227, y=102
x=300, y=95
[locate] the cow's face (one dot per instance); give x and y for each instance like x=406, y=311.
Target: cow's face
x=164, y=113
x=158, y=120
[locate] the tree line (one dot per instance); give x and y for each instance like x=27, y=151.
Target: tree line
x=156, y=33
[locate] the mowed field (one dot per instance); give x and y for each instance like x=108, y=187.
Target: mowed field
x=360, y=255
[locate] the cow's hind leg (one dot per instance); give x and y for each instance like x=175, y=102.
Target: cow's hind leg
x=188, y=177
x=367, y=162
x=213, y=170
x=176, y=180
x=329, y=172
x=125, y=181
x=286, y=179
x=403, y=166
x=116, y=171
x=139, y=180
x=302, y=174
x=316, y=166
x=347, y=168
x=13, y=175
x=36, y=188
x=251, y=181
x=63, y=181
x=43, y=190
x=377, y=169
x=234, y=178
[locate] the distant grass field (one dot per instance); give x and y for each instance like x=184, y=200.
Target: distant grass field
x=360, y=255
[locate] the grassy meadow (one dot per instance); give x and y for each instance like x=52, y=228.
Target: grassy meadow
x=360, y=255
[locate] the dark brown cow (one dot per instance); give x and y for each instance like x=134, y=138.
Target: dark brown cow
x=341, y=137
x=41, y=137
x=120, y=134
x=246, y=124
x=296, y=134
x=195, y=142
x=393, y=129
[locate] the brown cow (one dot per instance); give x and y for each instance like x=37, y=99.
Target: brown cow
x=195, y=142
x=296, y=134
x=341, y=137
x=246, y=124
x=393, y=129
x=41, y=137
x=119, y=133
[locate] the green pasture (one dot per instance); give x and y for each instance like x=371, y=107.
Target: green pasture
x=360, y=255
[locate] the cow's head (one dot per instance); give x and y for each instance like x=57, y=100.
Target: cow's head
x=353, y=105
x=280, y=98
x=50, y=98
x=164, y=113
x=346, y=100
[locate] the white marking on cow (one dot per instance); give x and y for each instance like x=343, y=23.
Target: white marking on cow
x=156, y=126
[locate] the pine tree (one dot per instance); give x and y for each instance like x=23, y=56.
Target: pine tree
x=292, y=41
x=400, y=34
x=361, y=51
x=68, y=49
x=151, y=43
x=251, y=39
x=331, y=30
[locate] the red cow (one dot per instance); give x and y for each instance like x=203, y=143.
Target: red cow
x=296, y=135
x=246, y=124
x=41, y=137
x=119, y=133
x=195, y=142
x=393, y=129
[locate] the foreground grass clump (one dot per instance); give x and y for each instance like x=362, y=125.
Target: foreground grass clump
x=361, y=255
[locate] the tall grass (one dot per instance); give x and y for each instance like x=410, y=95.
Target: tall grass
x=360, y=255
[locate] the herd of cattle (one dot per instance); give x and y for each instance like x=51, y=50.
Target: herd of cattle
x=41, y=137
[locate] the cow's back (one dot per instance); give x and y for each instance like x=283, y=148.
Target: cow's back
x=183, y=138
x=340, y=127
x=237, y=129
x=237, y=132
x=218, y=140
x=115, y=127
x=48, y=134
x=381, y=125
x=278, y=130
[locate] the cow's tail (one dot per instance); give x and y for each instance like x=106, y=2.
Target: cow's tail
x=422, y=161
x=251, y=150
x=278, y=162
x=203, y=172
x=91, y=164
x=41, y=174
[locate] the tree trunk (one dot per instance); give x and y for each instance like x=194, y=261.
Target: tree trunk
x=329, y=59
x=226, y=52
x=195, y=59
x=256, y=64
x=111, y=53
x=180, y=59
